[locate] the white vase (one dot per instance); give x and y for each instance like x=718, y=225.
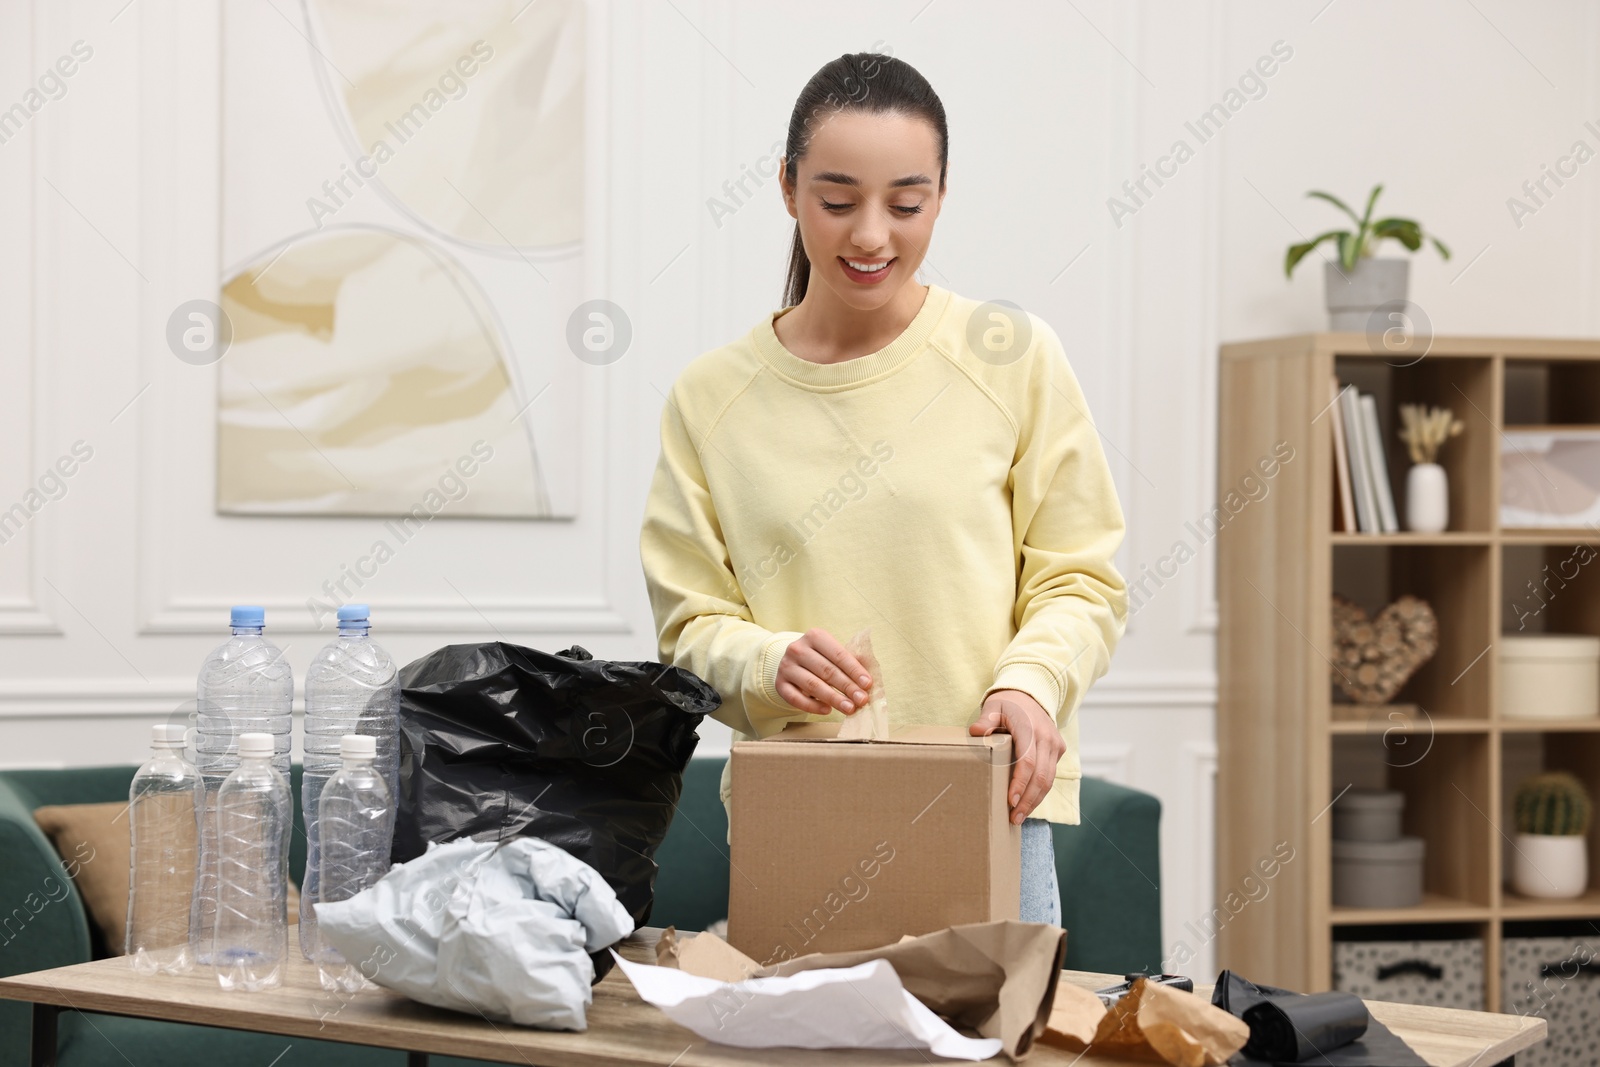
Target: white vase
x=1427, y=498
x=1550, y=866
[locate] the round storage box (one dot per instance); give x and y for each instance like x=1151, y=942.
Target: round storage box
x=1377, y=874
x=1550, y=676
x=1368, y=815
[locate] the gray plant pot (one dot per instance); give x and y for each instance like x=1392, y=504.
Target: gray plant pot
x=1354, y=295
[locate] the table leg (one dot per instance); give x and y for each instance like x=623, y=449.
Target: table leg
x=416, y=1059
x=44, y=1035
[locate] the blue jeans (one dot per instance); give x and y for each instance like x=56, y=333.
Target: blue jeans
x=1041, y=895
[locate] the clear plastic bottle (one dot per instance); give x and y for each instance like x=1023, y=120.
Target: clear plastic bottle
x=254, y=812
x=245, y=686
x=352, y=687
x=162, y=854
x=354, y=818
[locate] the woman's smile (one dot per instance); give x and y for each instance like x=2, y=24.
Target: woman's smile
x=867, y=271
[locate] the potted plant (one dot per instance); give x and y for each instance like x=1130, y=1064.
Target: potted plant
x=1358, y=283
x=1552, y=859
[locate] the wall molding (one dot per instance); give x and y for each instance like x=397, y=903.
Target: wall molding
x=1112, y=761
x=20, y=205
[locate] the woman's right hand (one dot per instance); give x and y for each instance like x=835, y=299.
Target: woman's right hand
x=818, y=675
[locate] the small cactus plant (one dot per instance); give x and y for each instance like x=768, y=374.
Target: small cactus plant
x=1554, y=804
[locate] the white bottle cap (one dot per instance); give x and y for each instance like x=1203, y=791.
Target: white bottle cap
x=167, y=735
x=256, y=746
x=358, y=746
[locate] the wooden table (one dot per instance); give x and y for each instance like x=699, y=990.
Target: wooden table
x=623, y=1030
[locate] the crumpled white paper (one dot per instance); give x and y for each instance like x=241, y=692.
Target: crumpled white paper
x=864, y=1006
x=504, y=930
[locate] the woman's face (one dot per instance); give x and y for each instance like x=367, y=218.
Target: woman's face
x=866, y=194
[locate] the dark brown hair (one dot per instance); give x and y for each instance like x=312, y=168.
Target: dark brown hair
x=860, y=81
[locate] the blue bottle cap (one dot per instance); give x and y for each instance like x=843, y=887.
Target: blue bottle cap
x=247, y=615
x=353, y=614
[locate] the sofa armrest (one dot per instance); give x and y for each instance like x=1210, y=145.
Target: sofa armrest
x=1109, y=870
x=42, y=919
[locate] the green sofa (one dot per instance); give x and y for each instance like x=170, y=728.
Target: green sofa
x=1108, y=865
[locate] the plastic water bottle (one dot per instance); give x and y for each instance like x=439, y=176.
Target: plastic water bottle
x=161, y=856
x=352, y=687
x=353, y=820
x=254, y=812
x=245, y=686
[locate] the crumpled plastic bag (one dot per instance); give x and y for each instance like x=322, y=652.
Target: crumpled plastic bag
x=502, y=930
x=498, y=741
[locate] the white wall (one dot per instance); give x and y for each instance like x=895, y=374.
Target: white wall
x=108, y=220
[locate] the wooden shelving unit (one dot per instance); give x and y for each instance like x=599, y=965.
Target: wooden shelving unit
x=1284, y=750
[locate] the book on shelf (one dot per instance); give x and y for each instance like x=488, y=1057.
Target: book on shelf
x=1345, y=513
x=1378, y=458
x=1360, y=473
x=1361, y=464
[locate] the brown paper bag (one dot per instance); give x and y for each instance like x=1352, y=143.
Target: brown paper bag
x=1152, y=1022
x=704, y=955
x=870, y=723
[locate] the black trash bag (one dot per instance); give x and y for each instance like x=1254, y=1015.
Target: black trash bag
x=1335, y=1030
x=498, y=741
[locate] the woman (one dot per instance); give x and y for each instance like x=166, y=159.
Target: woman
x=888, y=454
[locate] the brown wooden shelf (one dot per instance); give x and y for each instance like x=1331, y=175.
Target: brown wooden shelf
x=1447, y=537
x=1549, y=726
x=1422, y=726
x=1513, y=907
x=1280, y=739
x=1435, y=908
x=1548, y=535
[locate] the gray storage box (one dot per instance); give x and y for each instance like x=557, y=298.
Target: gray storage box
x=1557, y=979
x=1377, y=874
x=1368, y=815
x=1442, y=974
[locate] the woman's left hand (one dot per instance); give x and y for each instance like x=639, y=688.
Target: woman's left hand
x=1036, y=745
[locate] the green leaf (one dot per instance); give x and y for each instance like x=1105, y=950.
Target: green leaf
x=1336, y=202
x=1443, y=251
x=1349, y=246
x=1372, y=198
x=1405, y=231
x=1300, y=251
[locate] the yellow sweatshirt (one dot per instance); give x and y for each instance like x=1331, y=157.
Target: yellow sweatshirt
x=955, y=501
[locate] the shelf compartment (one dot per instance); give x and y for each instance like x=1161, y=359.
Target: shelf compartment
x=1549, y=585
x=1548, y=393
x=1523, y=754
x=1448, y=803
x=1465, y=385
x=1456, y=581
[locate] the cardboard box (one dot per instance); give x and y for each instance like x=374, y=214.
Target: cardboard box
x=840, y=845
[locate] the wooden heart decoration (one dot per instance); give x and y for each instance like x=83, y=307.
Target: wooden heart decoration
x=1373, y=658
